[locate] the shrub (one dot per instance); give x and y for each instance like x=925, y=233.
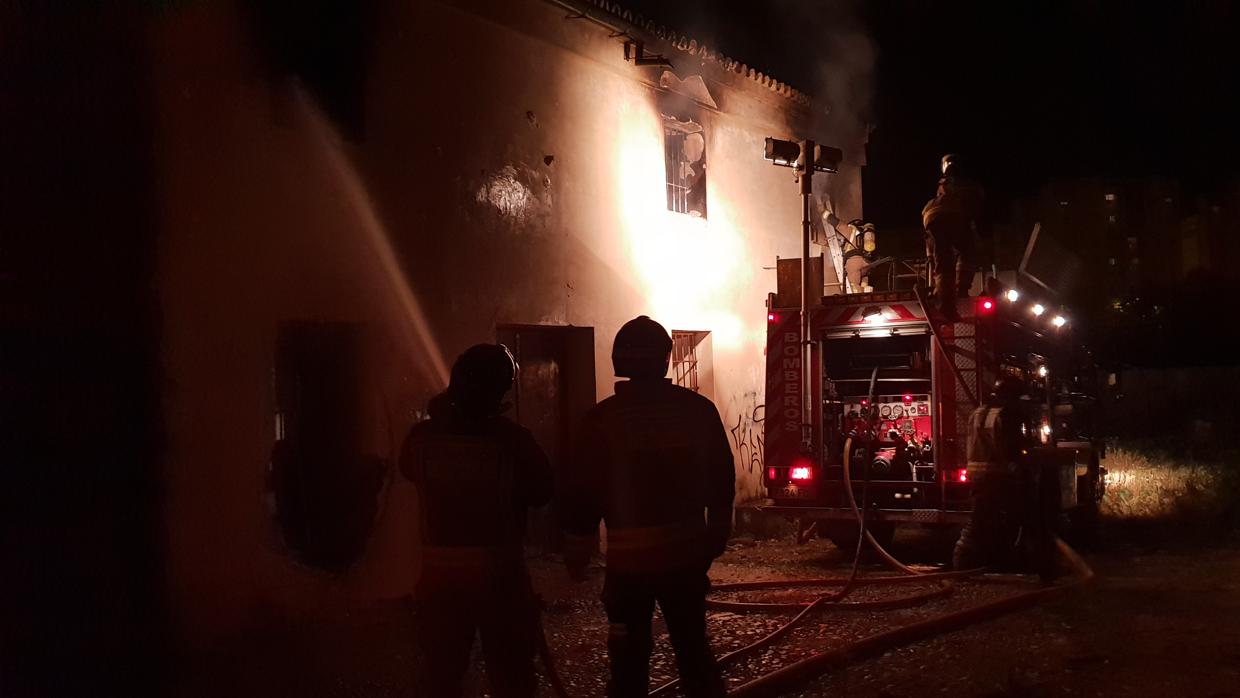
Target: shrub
x=1148, y=482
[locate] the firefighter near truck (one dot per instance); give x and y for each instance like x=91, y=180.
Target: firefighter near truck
x=892, y=386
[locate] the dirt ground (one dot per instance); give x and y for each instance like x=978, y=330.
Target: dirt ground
x=1163, y=619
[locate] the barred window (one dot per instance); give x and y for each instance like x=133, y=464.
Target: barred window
x=685, y=358
x=684, y=155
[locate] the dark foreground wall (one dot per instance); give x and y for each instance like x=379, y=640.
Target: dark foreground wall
x=80, y=594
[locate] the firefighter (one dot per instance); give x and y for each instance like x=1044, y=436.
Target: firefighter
x=477, y=473
x=951, y=221
x=999, y=465
x=649, y=462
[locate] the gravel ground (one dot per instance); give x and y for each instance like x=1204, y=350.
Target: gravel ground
x=1163, y=619
x=577, y=628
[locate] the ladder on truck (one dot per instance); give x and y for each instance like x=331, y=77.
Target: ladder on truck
x=958, y=343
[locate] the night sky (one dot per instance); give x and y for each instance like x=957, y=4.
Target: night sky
x=1030, y=90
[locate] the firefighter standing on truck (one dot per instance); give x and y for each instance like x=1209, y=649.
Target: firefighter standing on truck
x=999, y=442
x=477, y=473
x=650, y=461
x=951, y=221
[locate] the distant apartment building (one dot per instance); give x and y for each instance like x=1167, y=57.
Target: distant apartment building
x=1124, y=231
x=1209, y=236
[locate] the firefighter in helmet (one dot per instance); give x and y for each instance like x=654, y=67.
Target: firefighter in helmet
x=999, y=443
x=477, y=473
x=649, y=462
x=951, y=220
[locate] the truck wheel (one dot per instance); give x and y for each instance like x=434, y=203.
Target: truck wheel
x=844, y=535
x=1083, y=519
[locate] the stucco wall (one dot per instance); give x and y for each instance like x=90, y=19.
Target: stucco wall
x=441, y=222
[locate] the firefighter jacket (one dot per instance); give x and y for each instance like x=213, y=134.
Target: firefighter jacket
x=957, y=203
x=476, y=478
x=996, y=439
x=649, y=461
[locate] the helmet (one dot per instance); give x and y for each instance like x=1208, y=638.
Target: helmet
x=480, y=377
x=641, y=349
x=955, y=166
x=1008, y=388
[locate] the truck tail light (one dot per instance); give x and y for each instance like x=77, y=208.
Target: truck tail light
x=770, y=473
x=960, y=475
x=800, y=473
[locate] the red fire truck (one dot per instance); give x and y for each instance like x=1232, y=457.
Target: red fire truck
x=878, y=365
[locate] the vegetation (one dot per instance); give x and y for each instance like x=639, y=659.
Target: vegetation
x=1151, y=483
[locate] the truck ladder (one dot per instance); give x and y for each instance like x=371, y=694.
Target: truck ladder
x=960, y=348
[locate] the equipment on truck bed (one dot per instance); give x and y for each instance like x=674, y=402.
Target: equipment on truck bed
x=902, y=381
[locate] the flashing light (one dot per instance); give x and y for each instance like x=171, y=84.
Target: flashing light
x=800, y=473
x=1059, y=321
x=1012, y=295
x=772, y=317
x=1038, y=309
x=770, y=473
x=873, y=315
x=986, y=304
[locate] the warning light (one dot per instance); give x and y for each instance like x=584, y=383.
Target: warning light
x=986, y=304
x=772, y=317
x=873, y=315
x=770, y=473
x=800, y=473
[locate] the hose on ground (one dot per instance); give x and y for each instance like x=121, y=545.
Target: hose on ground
x=782, y=680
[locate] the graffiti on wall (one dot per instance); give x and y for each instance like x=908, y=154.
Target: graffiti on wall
x=747, y=438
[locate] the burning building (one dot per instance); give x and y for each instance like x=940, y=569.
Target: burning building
x=333, y=219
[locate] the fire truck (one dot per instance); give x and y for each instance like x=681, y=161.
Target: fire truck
x=889, y=366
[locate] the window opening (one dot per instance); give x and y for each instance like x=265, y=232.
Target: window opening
x=685, y=359
x=684, y=156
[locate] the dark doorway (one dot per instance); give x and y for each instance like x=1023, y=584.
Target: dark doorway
x=554, y=389
x=324, y=486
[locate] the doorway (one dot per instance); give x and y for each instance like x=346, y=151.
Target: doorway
x=553, y=391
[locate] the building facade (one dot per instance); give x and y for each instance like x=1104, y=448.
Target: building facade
x=506, y=172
